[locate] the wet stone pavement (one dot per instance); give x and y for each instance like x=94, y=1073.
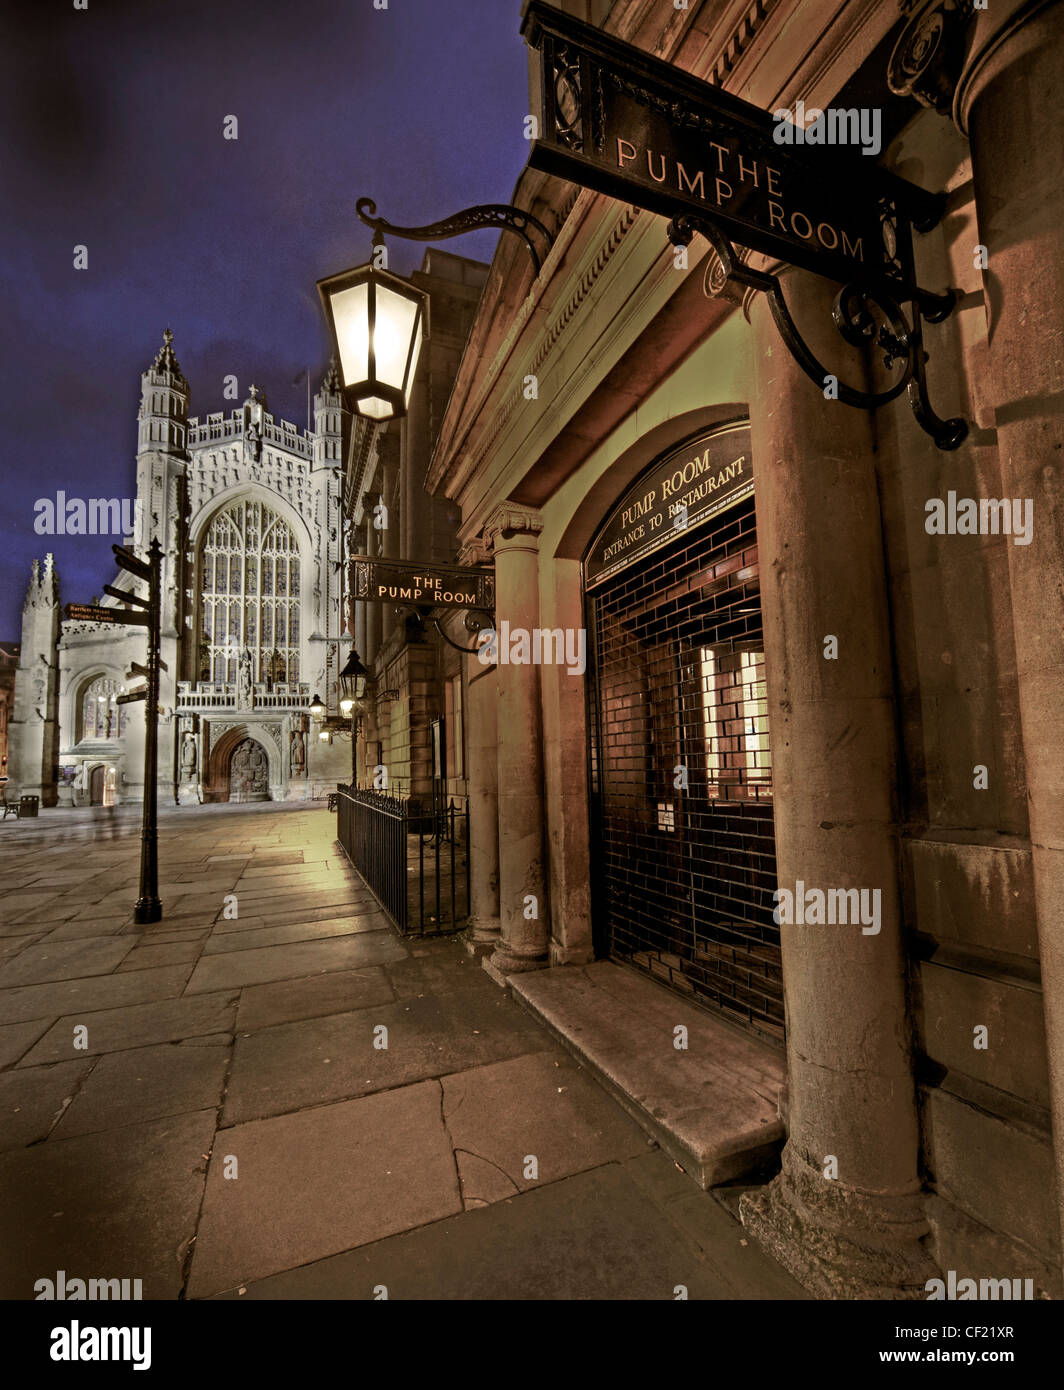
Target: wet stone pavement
x=205, y=1104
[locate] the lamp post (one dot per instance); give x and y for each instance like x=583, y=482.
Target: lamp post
x=353, y=680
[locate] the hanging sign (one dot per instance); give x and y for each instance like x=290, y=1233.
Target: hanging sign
x=684, y=489
x=615, y=119
x=428, y=586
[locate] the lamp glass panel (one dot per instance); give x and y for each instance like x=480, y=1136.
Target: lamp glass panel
x=350, y=310
x=414, y=358
x=396, y=322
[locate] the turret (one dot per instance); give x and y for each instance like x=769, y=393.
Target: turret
x=331, y=422
x=164, y=395
x=33, y=732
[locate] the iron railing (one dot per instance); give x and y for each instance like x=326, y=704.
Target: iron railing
x=414, y=859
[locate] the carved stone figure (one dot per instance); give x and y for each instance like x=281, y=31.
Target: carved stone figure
x=188, y=757
x=243, y=683
x=248, y=773
x=299, y=754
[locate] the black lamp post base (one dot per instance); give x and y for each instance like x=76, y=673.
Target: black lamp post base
x=147, y=910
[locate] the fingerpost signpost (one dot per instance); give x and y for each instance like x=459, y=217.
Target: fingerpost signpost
x=143, y=613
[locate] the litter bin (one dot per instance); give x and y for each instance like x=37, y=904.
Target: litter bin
x=28, y=806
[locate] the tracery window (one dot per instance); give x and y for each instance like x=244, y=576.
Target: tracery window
x=101, y=717
x=250, y=595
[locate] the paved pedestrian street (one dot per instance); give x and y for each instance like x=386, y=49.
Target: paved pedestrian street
x=208, y=1104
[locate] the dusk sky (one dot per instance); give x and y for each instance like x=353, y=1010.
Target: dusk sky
x=113, y=120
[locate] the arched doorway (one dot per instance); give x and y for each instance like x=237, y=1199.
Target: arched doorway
x=681, y=765
x=249, y=772
x=96, y=785
x=239, y=767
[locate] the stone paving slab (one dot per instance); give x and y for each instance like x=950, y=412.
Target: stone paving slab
x=122, y=1204
x=66, y=960
x=152, y=954
x=322, y=1181
x=157, y=934
x=327, y=1059
x=541, y=1106
x=352, y=925
x=13, y=945
x=115, y=923
x=115, y=1030
x=92, y=993
x=32, y=919
x=18, y=1038
x=593, y=1236
x=288, y=1001
x=33, y=1098
x=256, y=967
x=437, y=968
x=277, y=900
x=148, y=1083
x=287, y=916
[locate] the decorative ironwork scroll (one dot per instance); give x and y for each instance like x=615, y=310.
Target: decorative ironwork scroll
x=491, y=216
x=854, y=317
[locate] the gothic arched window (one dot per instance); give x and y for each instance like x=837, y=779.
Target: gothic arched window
x=101, y=718
x=250, y=597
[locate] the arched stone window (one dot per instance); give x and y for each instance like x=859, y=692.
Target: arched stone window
x=102, y=719
x=250, y=595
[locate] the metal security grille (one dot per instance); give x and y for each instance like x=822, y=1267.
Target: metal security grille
x=682, y=772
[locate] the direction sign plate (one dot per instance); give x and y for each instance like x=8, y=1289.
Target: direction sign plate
x=93, y=613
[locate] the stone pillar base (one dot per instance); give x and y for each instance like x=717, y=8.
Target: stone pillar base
x=502, y=963
x=188, y=794
x=481, y=937
x=570, y=955
x=838, y=1242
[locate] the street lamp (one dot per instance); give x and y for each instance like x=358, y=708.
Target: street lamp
x=353, y=679
x=377, y=322
x=317, y=707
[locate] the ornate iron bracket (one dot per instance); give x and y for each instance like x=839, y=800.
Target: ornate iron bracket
x=897, y=339
x=471, y=624
x=492, y=216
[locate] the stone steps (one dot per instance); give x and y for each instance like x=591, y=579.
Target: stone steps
x=714, y=1107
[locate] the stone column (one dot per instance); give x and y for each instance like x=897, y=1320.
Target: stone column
x=1008, y=103
x=522, y=882
x=390, y=539
x=481, y=724
x=845, y=1215
x=374, y=611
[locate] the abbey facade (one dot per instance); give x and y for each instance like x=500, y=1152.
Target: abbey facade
x=247, y=510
